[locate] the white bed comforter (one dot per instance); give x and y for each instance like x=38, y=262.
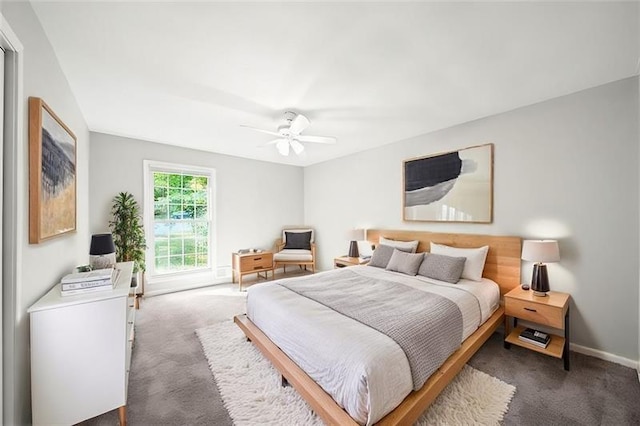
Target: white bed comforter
x=365, y=371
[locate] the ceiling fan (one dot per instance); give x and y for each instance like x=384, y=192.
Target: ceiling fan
x=289, y=134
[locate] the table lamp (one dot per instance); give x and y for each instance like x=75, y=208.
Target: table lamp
x=354, y=236
x=102, y=253
x=540, y=251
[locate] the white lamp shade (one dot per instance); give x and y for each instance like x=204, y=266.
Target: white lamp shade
x=355, y=235
x=543, y=251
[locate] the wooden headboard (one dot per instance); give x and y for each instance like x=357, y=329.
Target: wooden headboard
x=503, y=259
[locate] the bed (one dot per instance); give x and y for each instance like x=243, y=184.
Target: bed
x=352, y=374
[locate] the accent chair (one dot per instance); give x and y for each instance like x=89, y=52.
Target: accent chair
x=295, y=247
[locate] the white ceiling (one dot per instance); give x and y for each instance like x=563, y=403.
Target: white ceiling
x=189, y=74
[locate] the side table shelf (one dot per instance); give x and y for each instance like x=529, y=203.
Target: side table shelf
x=555, y=348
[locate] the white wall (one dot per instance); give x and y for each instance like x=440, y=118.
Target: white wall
x=566, y=169
x=42, y=265
x=254, y=199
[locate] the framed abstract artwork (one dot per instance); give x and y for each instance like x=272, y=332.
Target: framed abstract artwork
x=52, y=174
x=453, y=186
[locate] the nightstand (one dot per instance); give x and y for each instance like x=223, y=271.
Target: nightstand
x=251, y=263
x=551, y=310
x=342, y=261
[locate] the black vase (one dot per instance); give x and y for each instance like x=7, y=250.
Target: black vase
x=540, y=280
x=353, y=249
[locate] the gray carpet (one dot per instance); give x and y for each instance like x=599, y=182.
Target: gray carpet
x=171, y=384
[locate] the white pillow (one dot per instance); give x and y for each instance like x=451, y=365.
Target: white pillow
x=476, y=257
x=402, y=245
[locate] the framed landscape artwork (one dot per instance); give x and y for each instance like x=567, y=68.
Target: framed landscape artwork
x=454, y=186
x=52, y=174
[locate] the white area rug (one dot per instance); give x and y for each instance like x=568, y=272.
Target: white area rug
x=251, y=391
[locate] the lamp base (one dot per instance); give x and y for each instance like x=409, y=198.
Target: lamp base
x=353, y=249
x=102, y=261
x=540, y=280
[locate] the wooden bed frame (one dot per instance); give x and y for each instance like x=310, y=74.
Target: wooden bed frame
x=502, y=266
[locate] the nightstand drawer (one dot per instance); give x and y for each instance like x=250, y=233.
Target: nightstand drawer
x=259, y=261
x=536, y=312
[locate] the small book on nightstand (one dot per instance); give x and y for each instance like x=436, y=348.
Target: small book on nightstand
x=535, y=337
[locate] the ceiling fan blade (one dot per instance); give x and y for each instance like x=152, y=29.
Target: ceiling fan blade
x=283, y=147
x=299, y=124
x=275, y=141
x=316, y=139
x=269, y=132
x=297, y=147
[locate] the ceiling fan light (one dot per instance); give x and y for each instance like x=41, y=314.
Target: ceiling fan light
x=289, y=136
x=283, y=147
x=299, y=124
x=297, y=147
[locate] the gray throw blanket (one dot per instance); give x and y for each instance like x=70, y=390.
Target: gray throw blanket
x=427, y=326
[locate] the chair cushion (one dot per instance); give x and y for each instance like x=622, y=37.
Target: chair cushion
x=293, y=255
x=298, y=240
x=284, y=236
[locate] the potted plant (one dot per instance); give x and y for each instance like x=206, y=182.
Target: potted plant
x=128, y=232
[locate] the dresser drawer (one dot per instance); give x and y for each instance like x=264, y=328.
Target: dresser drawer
x=536, y=312
x=259, y=261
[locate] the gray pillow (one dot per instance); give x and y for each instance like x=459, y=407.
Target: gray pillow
x=441, y=267
x=298, y=240
x=381, y=256
x=407, y=263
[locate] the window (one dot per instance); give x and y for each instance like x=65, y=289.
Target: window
x=179, y=228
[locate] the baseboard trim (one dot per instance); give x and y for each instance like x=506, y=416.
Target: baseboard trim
x=606, y=356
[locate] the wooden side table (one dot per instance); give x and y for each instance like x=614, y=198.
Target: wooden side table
x=551, y=310
x=251, y=263
x=343, y=261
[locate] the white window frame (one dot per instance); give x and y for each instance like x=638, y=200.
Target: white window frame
x=199, y=274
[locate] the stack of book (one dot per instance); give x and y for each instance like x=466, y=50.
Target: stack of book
x=535, y=337
x=86, y=282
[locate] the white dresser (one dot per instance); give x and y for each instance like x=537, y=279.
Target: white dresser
x=81, y=352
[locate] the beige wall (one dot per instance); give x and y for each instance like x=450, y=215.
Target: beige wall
x=253, y=199
x=565, y=168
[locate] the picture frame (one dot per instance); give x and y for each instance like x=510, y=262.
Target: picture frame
x=52, y=174
x=455, y=186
